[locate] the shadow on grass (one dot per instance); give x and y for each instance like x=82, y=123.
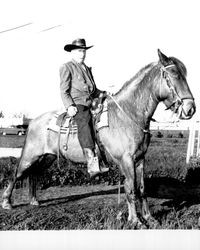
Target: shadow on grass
x=76, y=197
x=177, y=193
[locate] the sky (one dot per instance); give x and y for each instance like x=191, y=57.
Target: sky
x=125, y=34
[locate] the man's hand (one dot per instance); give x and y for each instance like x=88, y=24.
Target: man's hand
x=72, y=110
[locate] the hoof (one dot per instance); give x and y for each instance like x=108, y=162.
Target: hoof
x=136, y=224
x=6, y=205
x=142, y=226
x=153, y=223
x=119, y=216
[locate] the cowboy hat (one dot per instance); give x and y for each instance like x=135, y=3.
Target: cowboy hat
x=76, y=44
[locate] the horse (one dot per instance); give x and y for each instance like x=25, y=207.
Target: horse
x=127, y=137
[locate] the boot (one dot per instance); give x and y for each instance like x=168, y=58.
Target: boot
x=93, y=163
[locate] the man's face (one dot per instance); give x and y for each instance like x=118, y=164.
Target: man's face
x=79, y=55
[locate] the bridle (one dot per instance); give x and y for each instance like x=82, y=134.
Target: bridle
x=168, y=78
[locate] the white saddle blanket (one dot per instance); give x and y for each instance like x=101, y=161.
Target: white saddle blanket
x=67, y=126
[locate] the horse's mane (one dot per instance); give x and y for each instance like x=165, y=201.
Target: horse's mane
x=127, y=96
x=137, y=91
x=137, y=78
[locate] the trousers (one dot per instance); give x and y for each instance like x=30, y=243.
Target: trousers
x=83, y=118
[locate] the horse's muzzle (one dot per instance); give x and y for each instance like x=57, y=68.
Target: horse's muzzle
x=187, y=109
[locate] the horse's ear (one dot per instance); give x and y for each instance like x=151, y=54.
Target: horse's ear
x=163, y=58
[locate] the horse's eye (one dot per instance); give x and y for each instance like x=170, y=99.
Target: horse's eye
x=174, y=73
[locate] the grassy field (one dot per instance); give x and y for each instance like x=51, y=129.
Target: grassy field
x=173, y=190
x=11, y=141
x=86, y=207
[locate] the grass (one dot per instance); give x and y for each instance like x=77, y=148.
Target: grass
x=99, y=212
x=167, y=157
x=11, y=141
x=73, y=203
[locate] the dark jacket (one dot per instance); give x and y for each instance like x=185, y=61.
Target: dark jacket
x=77, y=85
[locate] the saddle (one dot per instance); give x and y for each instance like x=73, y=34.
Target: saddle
x=64, y=124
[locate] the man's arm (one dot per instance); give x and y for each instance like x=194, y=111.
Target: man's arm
x=65, y=85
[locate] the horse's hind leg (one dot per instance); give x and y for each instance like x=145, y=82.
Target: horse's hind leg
x=6, y=198
x=6, y=203
x=25, y=163
x=46, y=161
x=32, y=180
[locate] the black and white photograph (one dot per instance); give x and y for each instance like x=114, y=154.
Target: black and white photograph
x=99, y=124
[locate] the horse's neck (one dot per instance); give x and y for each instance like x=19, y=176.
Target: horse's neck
x=138, y=99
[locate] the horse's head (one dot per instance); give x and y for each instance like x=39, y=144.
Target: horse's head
x=174, y=90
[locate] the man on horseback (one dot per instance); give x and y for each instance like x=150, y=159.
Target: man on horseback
x=78, y=90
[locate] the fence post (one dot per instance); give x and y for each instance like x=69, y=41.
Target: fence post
x=191, y=142
x=198, y=142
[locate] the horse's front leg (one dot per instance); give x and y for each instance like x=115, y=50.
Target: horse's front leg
x=130, y=188
x=142, y=195
x=141, y=190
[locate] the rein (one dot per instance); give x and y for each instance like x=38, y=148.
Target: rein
x=144, y=130
x=176, y=104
